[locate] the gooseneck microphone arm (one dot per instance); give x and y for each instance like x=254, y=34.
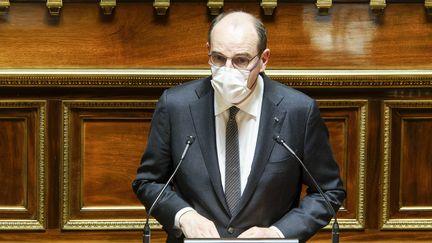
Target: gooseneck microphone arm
x=147, y=231
x=335, y=228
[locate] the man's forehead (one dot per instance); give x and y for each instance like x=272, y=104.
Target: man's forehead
x=237, y=33
x=236, y=22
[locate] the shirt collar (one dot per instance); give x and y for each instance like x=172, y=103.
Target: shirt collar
x=251, y=105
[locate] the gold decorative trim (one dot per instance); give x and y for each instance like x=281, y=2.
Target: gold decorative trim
x=417, y=208
x=107, y=6
x=163, y=78
x=324, y=6
x=95, y=224
x=127, y=224
x=54, y=7
x=215, y=6
x=268, y=6
x=428, y=6
x=161, y=6
x=388, y=223
x=108, y=208
x=40, y=222
x=4, y=6
x=377, y=5
x=408, y=224
x=362, y=106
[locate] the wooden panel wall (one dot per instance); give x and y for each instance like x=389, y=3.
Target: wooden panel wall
x=70, y=144
x=22, y=165
x=347, y=125
x=407, y=185
x=103, y=144
x=350, y=37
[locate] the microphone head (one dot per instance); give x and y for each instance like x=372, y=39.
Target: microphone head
x=277, y=138
x=190, y=140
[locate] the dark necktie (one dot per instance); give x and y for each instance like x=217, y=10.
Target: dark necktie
x=232, y=162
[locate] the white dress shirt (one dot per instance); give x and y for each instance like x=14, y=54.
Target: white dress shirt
x=248, y=120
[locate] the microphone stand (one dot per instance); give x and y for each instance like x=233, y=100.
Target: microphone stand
x=335, y=228
x=147, y=230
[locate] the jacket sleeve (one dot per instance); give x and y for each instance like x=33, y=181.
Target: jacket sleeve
x=312, y=213
x=155, y=169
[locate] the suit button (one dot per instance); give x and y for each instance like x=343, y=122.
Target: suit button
x=231, y=230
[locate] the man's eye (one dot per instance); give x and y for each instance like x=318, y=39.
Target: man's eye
x=241, y=61
x=219, y=58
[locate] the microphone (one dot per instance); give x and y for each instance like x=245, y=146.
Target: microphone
x=335, y=228
x=147, y=232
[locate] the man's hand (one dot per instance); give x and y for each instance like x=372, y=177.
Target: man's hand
x=194, y=225
x=258, y=232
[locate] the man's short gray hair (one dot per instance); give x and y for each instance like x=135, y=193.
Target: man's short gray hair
x=259, y=27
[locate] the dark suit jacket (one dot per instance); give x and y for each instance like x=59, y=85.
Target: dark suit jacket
x=272, y=193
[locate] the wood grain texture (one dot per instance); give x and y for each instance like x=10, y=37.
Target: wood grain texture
x=344, y=128
x=111, y=150
x=349, y=37
x=411, y=187
x=18, y=164
x=13, y=162
x=415, y=180
x=106, y=146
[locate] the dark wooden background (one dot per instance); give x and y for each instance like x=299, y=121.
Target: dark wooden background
x=68, y=153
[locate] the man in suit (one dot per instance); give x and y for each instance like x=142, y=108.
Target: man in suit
x=236, y=181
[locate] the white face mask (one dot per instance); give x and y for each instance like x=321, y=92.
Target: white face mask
x=230, y=83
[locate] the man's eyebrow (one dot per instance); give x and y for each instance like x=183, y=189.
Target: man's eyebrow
x=243, y=54
x=237, y=54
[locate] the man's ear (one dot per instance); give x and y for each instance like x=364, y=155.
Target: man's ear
x=265, y=56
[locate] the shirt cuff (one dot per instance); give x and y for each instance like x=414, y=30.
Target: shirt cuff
x=277, y=231
x=179, y=214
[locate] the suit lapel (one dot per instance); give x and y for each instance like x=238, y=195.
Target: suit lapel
x=202, y=112
x=270, y=124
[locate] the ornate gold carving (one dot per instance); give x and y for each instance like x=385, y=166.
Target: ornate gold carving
x=268, y=6
x=54, y=6
x=386, y=221
x=39, y=223
x=126, y=224
x=107, y=6
x=324, y=6
x=95, y=224
x=362, y=106
x=416, y=208
x=161, y=6
x=377, y=5
x=164, y=78
x=428, y=6
x=4, y=6
x=215, y=6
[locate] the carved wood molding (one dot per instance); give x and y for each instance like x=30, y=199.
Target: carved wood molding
x=54, y=7
x=268, y=6
x=67, y=203
x=377, y=5
x=4, y=6
x=39, y=220
x=387, y=222
x=324, y=6
x=107, y=6
x=215, y=6
x=161, y=6
x=428, y=6
x=164, y=78
x=362, y=109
